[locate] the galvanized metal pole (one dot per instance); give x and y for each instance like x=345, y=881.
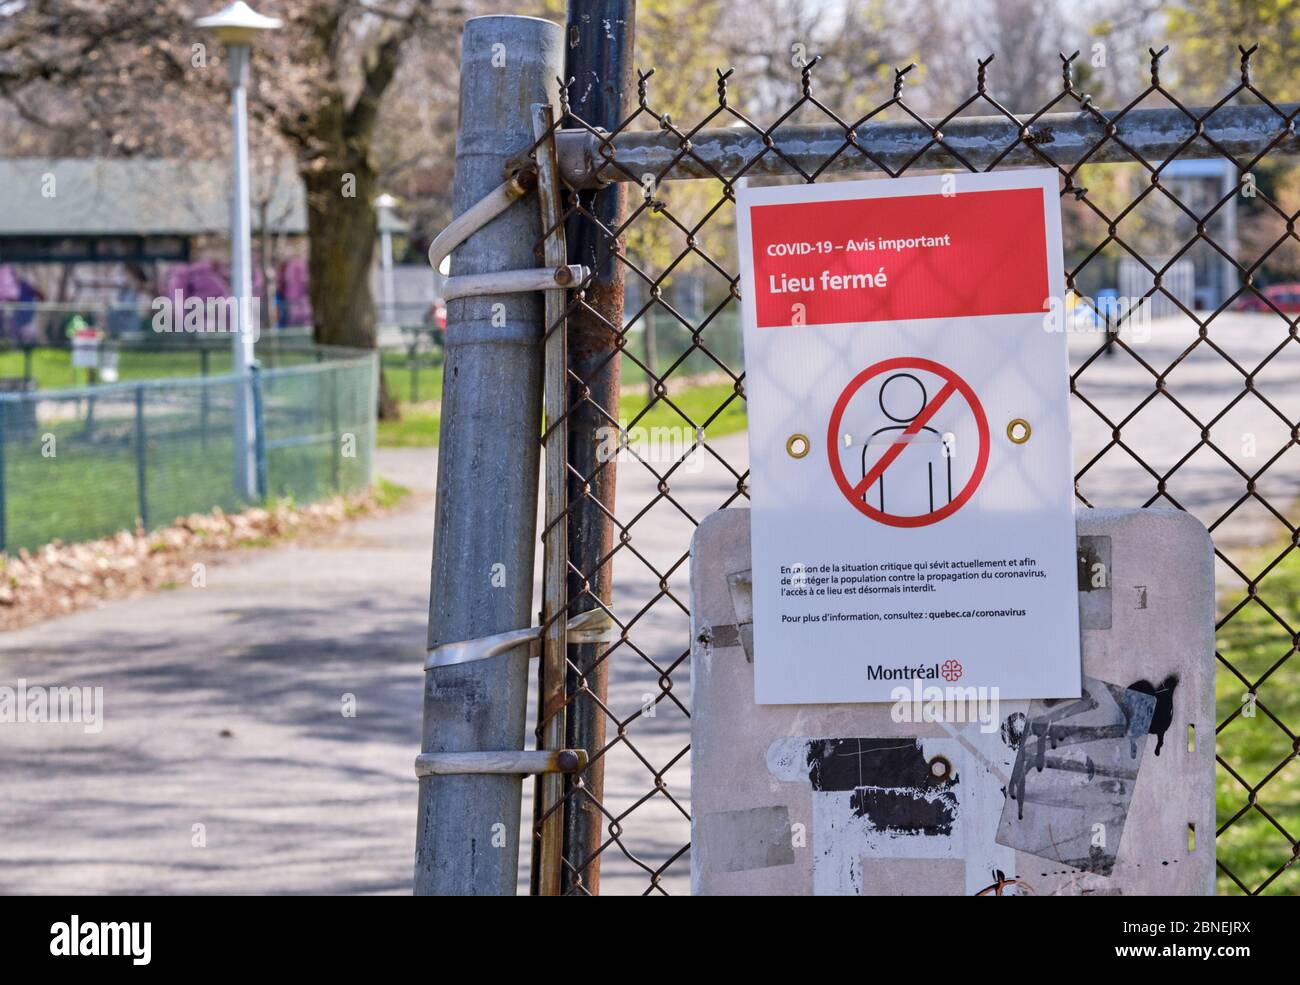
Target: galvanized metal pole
x=979, y=141
x=141, y=473
x=241, y=273
x=1230, y=275
x=259, y=431
x=386, y=268
x=486, y=527
x=4, y=505
x=601, y=36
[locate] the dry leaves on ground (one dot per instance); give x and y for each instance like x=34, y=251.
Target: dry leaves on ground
x=60, y=578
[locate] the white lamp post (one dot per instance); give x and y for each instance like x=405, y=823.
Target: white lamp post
x=385, y=204
x=237, y=26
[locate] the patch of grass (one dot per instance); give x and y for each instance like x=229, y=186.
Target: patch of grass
x=715, y=407
x=424, y=386
x=52, y=368
x=1254, y=742
x=74, y=480
x=389, y=494
x=418, y=428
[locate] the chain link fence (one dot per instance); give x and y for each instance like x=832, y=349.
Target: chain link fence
x=47, y=358
x=1185, y=396
x=81, y=463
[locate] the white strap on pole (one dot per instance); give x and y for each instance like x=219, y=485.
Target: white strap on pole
x=594, y=626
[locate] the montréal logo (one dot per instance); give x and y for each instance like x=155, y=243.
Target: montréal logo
x=879, y=672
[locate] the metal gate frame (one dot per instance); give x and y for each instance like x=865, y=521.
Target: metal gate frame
x=600, y=155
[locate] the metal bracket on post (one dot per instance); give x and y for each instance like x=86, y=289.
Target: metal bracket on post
x=509, y=763
x=504, y=281
x=594, y=626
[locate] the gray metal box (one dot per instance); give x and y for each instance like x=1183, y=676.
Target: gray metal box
x=1111, y=793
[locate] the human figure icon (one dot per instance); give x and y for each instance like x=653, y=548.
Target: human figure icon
x=908, y=486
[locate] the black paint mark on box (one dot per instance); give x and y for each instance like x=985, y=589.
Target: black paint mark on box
x=890, y=780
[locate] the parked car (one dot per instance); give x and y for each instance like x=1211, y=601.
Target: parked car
x=1285, y=297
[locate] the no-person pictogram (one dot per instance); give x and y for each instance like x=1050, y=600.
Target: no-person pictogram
x=954, y=398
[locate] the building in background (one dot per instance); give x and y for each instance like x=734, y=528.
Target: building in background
x=112, y=234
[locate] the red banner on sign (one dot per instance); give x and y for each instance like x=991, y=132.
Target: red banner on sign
x=891, y=259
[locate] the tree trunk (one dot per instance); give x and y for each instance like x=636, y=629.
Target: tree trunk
x=342, y=232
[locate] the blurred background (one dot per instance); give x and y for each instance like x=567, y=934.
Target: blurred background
x=115, y=149
x=115, y=144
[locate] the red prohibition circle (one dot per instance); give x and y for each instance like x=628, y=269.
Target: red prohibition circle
x=837, y=416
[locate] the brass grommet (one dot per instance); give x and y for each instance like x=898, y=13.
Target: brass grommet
x=1018, y=431
x=798, y=445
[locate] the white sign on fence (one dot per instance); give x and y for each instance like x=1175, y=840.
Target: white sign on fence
x=909, y=437
x=85, y=348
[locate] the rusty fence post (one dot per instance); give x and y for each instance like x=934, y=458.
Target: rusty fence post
x=600, y=40
x=552, y=711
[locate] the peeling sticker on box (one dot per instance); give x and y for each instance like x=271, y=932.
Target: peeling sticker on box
x=1075, y=772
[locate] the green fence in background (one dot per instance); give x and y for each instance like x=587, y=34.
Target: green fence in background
x=77, y=464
